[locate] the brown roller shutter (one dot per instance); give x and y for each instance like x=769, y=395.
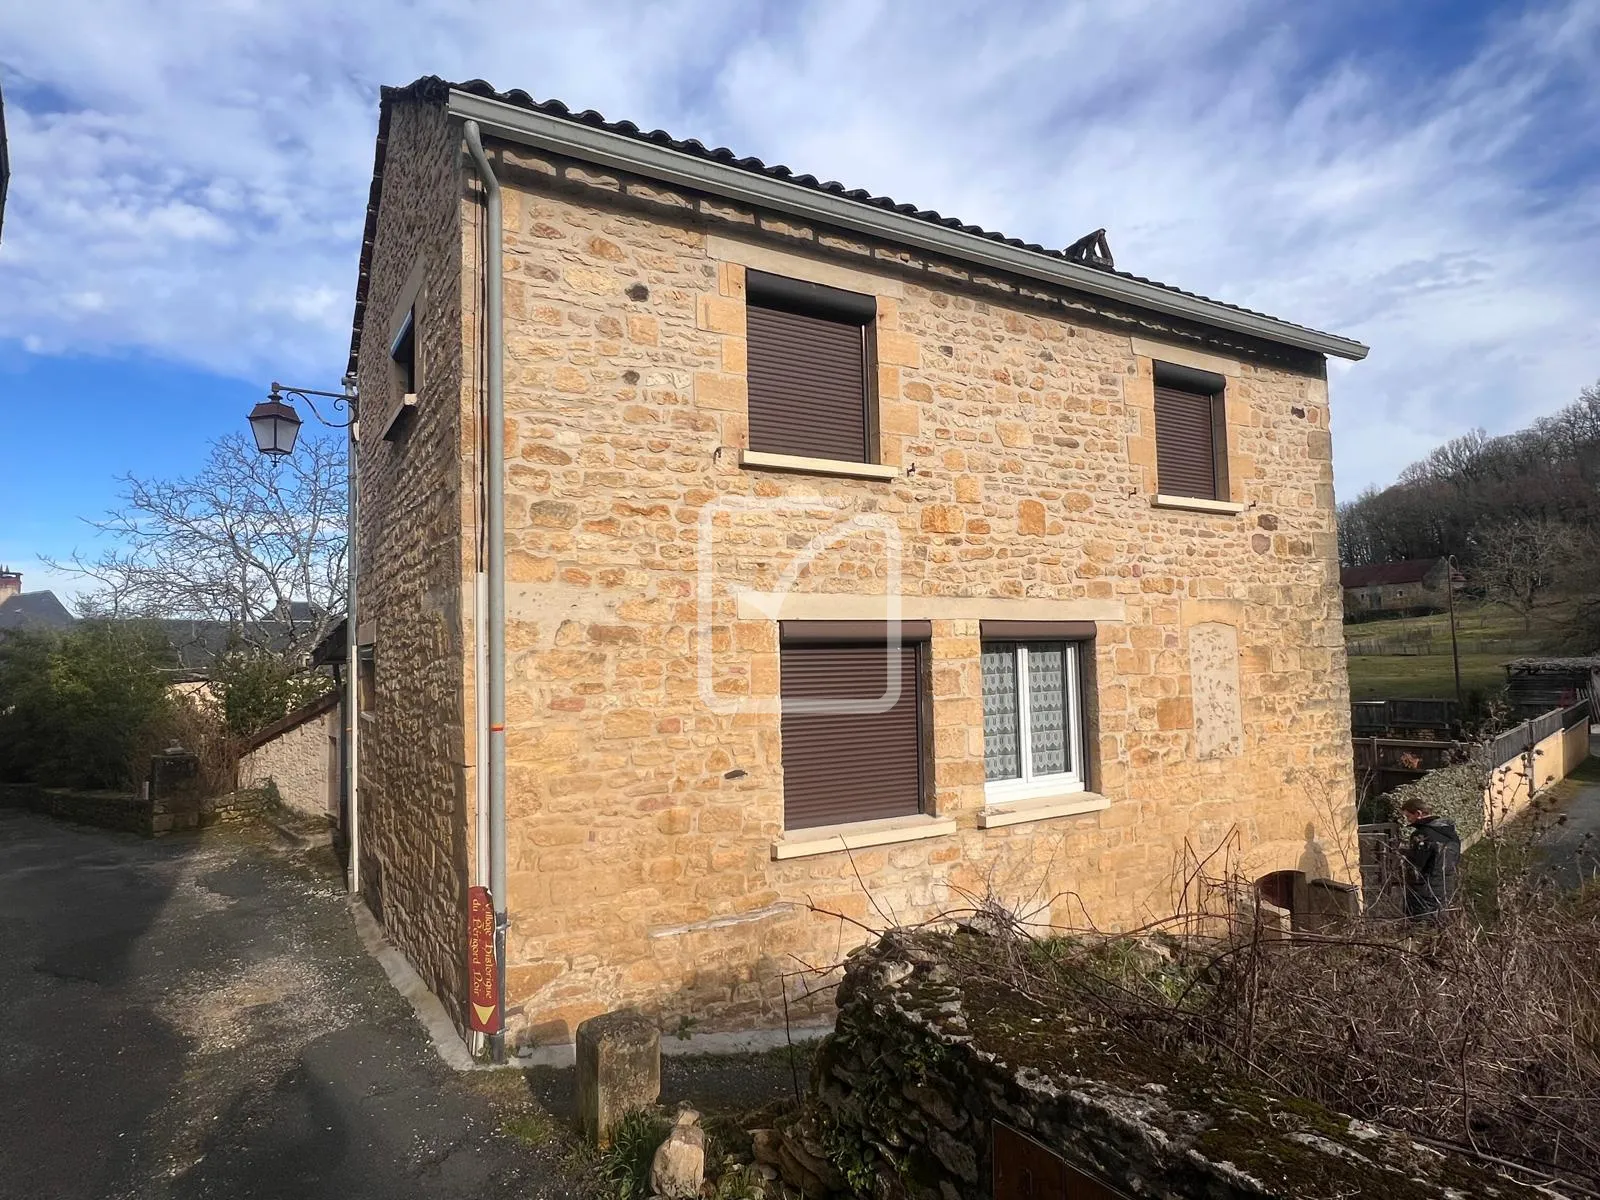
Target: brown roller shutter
x=849, y=766
x=808, y=385
x=1186, y=443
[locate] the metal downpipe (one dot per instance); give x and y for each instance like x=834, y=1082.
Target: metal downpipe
x=495, y=553
x=352, y=652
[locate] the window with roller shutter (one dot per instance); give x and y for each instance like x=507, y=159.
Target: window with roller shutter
x=853, y=722
x=810, y=356
x=1191, y=438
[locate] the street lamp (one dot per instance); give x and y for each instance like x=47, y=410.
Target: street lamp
x=276, y=426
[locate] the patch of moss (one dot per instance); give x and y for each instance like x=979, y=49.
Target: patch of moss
x=1225, y=1117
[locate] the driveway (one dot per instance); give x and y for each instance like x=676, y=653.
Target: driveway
x=195, y=1017
x=1569, y=845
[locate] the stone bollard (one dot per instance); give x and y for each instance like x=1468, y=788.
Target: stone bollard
x=619, y=1070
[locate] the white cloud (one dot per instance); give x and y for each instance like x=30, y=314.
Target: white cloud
x=189, y=179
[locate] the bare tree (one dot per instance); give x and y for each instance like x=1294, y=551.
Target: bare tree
x=1519, y=560
x=251, y=543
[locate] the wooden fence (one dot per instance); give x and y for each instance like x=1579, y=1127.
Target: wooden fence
x=1383, y=764
x=1374, y=718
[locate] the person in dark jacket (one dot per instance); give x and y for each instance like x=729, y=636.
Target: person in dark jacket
x=1432, y=861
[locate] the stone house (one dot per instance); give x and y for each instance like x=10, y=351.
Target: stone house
x=33, y=612
x=1412, y=587
x=860, y=565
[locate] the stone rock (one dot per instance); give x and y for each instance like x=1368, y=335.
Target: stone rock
x=764, y=1144
x=679, y=1166
x=619, y=1071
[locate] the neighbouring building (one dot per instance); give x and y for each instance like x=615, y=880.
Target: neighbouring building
x=743, y=410
x=1413, y=587
x=33, y=612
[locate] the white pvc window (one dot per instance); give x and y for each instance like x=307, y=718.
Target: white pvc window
x=1032, y=720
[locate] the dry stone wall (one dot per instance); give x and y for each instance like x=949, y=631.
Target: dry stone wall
x=921, y=1072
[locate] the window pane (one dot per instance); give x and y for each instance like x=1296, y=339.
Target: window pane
x=1002, y=756
x=1047, y=707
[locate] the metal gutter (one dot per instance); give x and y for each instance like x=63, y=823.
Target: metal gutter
x=574, y=140
x=494, y=566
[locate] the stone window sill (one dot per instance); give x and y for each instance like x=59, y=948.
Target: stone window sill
x=858, y=835
x=1197, y=504
x=755, y=460
x=1041, y=808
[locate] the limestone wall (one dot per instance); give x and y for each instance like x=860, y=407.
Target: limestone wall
x=302, y=763
x=415, y=505
x=645, y=781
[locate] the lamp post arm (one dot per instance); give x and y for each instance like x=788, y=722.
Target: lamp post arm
x=342, y=401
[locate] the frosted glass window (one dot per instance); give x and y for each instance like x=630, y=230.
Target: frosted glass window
x=1031, y=716
x=1002, y=746
x=1047, y=709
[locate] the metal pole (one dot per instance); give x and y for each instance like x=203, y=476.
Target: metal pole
x=1455, y=651
x=495, y=553
x=352, y=673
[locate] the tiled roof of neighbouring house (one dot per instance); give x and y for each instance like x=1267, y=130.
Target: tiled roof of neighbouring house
x=34, y=611
x=433, y=89
x=1410, y=570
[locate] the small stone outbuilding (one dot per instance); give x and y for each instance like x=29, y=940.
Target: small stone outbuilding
x=859, y=563
x=1413, y=587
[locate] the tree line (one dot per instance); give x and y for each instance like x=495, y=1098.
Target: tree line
x=201, y=608
x=1519, y=512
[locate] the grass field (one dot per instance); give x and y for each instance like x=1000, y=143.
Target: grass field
x=1395, y=676
x=1489, y=637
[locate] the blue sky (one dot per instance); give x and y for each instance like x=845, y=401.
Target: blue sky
x=189, y=180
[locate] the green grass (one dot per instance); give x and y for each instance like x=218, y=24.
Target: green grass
x=1410, y=676
x=1489, y=636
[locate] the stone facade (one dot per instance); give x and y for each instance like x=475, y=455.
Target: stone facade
x=1396, y=589
x=413, y=543
x=646, y=569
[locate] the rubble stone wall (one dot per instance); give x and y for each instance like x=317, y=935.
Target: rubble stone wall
x=916, y=1078
x=414, y=545
x=645, y=776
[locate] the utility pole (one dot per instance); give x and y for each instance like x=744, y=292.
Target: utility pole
x=1455, y=650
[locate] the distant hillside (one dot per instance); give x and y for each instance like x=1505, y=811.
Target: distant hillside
x=1444, y=504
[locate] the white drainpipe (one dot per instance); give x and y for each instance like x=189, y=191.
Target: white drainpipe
x=495, y=553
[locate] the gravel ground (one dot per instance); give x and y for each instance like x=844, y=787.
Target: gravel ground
x=195, y=1017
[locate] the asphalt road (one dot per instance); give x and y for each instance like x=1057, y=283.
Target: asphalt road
x=195, y=1017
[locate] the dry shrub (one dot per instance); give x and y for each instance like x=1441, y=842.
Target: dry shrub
x=195, y=723
x=1481, y=1031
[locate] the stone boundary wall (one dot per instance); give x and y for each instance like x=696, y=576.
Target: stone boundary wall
x=1514, y=783
x=107, y=810
x=132, y=813
x=299, y=756
x=920, y=1070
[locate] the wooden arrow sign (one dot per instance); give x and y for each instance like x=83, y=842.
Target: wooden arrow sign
x=483, y=1005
